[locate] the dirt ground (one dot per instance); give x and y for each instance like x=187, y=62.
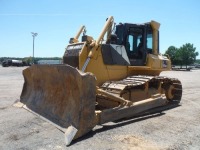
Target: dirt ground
x=177, y=128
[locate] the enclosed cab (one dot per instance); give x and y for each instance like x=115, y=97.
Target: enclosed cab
x=138, y=41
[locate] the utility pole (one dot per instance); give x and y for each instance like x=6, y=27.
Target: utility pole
x=34, y=35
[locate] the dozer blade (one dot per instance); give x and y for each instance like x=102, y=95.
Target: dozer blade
x=61, y=94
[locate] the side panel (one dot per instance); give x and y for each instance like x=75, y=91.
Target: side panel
x=102, y=72
x=71, y=55
x=158, y=62
x=105, y=68
x=154, y=66
x=114, y=55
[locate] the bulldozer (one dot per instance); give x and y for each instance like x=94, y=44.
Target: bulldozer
x=113, y=77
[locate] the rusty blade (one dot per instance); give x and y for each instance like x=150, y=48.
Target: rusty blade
x=61, y=94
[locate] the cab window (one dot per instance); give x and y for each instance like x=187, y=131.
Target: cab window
x=130, y=41
x=149, y=41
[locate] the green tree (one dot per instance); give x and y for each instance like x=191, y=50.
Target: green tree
x=186, y=54
x=172, y=52
x=197, y=61
x=28, y=60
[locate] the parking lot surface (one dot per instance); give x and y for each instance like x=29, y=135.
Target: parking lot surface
x=177, y=128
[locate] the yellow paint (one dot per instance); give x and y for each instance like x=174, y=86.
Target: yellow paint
x=155, y=63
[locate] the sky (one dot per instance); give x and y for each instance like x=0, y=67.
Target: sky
x=56, y=21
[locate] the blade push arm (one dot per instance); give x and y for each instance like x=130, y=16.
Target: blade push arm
x=95, y=44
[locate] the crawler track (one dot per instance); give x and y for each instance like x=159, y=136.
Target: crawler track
x=136, y=88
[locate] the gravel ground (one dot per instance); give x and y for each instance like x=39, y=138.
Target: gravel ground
x=176, y=128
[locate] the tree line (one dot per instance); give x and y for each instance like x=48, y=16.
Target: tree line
x=185, y=55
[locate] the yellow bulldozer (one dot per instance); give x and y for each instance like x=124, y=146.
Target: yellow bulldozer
x=113, y=77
